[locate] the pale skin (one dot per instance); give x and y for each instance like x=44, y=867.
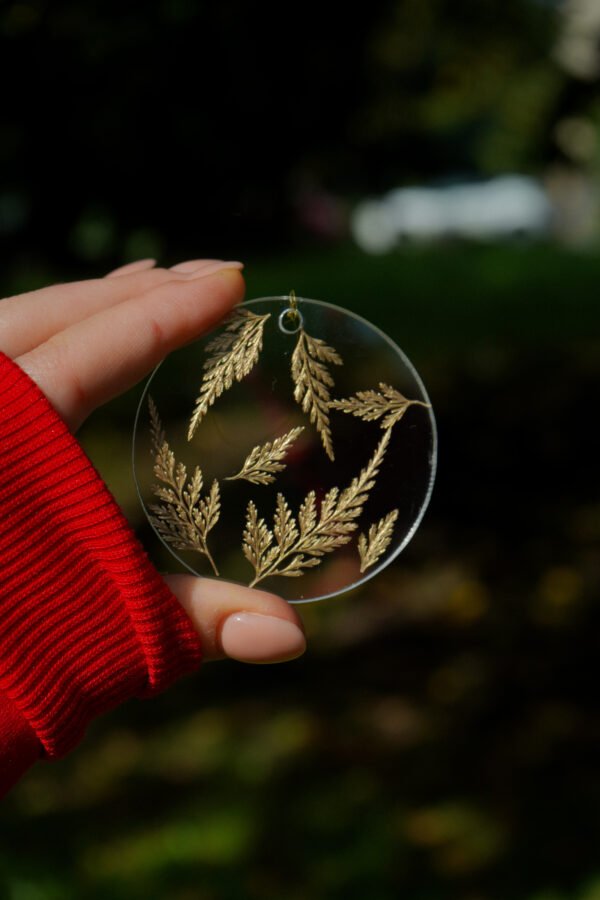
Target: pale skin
x=85, y=342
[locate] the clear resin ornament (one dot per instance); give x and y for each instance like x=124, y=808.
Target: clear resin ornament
x=292, y=449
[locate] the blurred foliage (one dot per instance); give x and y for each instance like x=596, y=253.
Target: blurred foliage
x=466, y=86
x=185, y=125
x=440, y=740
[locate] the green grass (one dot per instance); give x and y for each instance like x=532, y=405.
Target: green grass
x=449, y=297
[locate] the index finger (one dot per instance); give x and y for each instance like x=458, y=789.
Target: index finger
x=96, y=359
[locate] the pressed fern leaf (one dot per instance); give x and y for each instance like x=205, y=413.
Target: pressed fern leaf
x=373, y=546
x=371, y=405
x=265, y=460
x=257, y=541
x=233, y=354
x=184, y=517
x=312, y=381
x=293, y=546
x=157, y=432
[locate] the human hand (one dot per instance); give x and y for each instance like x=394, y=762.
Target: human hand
x=88, y=341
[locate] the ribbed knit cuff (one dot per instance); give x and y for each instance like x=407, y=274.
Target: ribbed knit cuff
x=85, y=619
x=19, y=745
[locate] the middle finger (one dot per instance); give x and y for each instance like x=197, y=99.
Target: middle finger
x=28, y=320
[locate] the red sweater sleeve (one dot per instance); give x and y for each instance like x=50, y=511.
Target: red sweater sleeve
x=85, y=620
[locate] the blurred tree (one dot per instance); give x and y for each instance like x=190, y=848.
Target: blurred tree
x=182, y=117
x=458, y=86
x=183, y=125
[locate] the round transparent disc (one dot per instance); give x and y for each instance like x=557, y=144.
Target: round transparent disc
x=292, y=449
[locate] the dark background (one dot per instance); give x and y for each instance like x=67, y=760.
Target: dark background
x=441, y=738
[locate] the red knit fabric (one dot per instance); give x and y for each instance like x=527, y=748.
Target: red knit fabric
x=85, y=620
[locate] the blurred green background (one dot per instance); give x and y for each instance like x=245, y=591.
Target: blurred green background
x=441, y=738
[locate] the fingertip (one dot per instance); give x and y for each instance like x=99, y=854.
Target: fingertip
x=221, y=291
x=234, y=277
x=239, y=622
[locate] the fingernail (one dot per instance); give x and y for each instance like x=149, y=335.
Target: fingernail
x=216, y=266
x=137, y=266
x=254, y=638
x=192, y=266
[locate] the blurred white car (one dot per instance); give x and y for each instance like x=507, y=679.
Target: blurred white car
x=508, y=206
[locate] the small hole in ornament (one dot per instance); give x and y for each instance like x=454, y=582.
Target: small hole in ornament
x=291, y=317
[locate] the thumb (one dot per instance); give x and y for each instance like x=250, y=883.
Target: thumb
x=239, y=622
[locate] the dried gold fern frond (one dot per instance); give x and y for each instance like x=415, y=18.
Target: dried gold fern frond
x=371, y=405
x=293, y=546
x=312, y=381
x=257, y=540
x=265, y=460
x=371, y=548
x=184, y=517
x=233, y=354
x=157, y=432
